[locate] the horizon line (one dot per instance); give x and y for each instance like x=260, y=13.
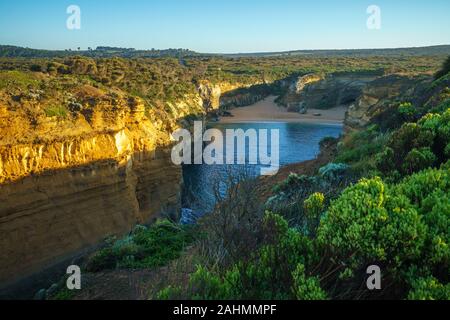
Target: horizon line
x=238, y=53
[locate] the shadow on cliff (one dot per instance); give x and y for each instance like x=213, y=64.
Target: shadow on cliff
x=242, y=97
x=49, y=220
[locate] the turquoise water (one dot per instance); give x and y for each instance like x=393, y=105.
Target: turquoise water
x=298, y=142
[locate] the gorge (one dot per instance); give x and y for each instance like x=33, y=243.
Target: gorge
x=70, y=177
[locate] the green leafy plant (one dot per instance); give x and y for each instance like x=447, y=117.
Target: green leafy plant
x=144, y=248
x=56, y=111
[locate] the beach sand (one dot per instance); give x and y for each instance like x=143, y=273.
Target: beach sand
x=268, y=111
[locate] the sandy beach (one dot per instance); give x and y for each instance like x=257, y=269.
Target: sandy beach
x=268, y=111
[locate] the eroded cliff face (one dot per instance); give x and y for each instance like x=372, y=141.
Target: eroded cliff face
x=227, y=94
x=324, y=92
x=72, y=176
x=66, y=183
x=380, y=96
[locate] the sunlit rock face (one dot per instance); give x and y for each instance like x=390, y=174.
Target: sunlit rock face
x=68, y=181
x=380, y=96
x=226, y=94
x=66, y=184
x=317, y=91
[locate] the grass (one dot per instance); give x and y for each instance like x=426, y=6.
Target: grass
x=16, y=79
x=144, y=248
x=64, y=294
x=56, y=111
x=360, y=148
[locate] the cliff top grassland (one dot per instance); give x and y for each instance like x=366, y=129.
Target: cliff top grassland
x=63, y=88
x=162, y=80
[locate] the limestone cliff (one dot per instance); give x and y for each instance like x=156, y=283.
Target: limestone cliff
x=324, y=92
x=227, y=94
x=66, y=184
x=380, y=95
x=83, y=163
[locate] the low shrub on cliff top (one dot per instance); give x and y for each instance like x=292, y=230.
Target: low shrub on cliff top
x=360, y=148
x=417, y=146
x=143, y=248
x=16, y=79
x=56, y=111
x=275, y=271
x=403, y=228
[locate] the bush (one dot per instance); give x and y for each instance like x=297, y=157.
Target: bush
x=334, y=171
x=369, y=223
x=360, y=148
x=429, y=192
x=407, y=110
x=144, y=248
x=56, y=111
x=429, y=289
x=419, y=159
x=417, y=146
x=402, y=227
x=271, y=272
x=314, y=207
x=385, y=161
x=290, y=194
x=307, y=288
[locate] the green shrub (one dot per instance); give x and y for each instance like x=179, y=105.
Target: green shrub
x=64, y=295
x=334, y=171
x=429, y=289
x=429, y=192
x=417, y=146
x=370, y=223
x=56, y=111
x=290, y=194
x=314, y=207
x=385, y=161
x=407, y=110
x=307, y=288
x=403, y=227
x=144, y=248
x=419, y=159
x=360, y=148
x=17, y=79
x=271, y=272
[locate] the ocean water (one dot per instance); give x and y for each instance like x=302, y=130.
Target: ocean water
x=298, y=142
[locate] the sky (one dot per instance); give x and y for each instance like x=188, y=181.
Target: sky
x=225, y=26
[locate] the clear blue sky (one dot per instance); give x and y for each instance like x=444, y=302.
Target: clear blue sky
x=225, y=25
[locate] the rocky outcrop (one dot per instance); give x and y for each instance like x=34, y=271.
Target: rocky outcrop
x=299, y=85
x=81, y=164
x=324, y=92
x=68, y=182
x=226, y=94
x=381, y=95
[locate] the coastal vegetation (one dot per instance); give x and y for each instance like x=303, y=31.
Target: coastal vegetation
x=383, y=198
x=395, y=216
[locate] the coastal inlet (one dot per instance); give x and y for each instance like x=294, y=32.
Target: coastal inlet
x=298, y=142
